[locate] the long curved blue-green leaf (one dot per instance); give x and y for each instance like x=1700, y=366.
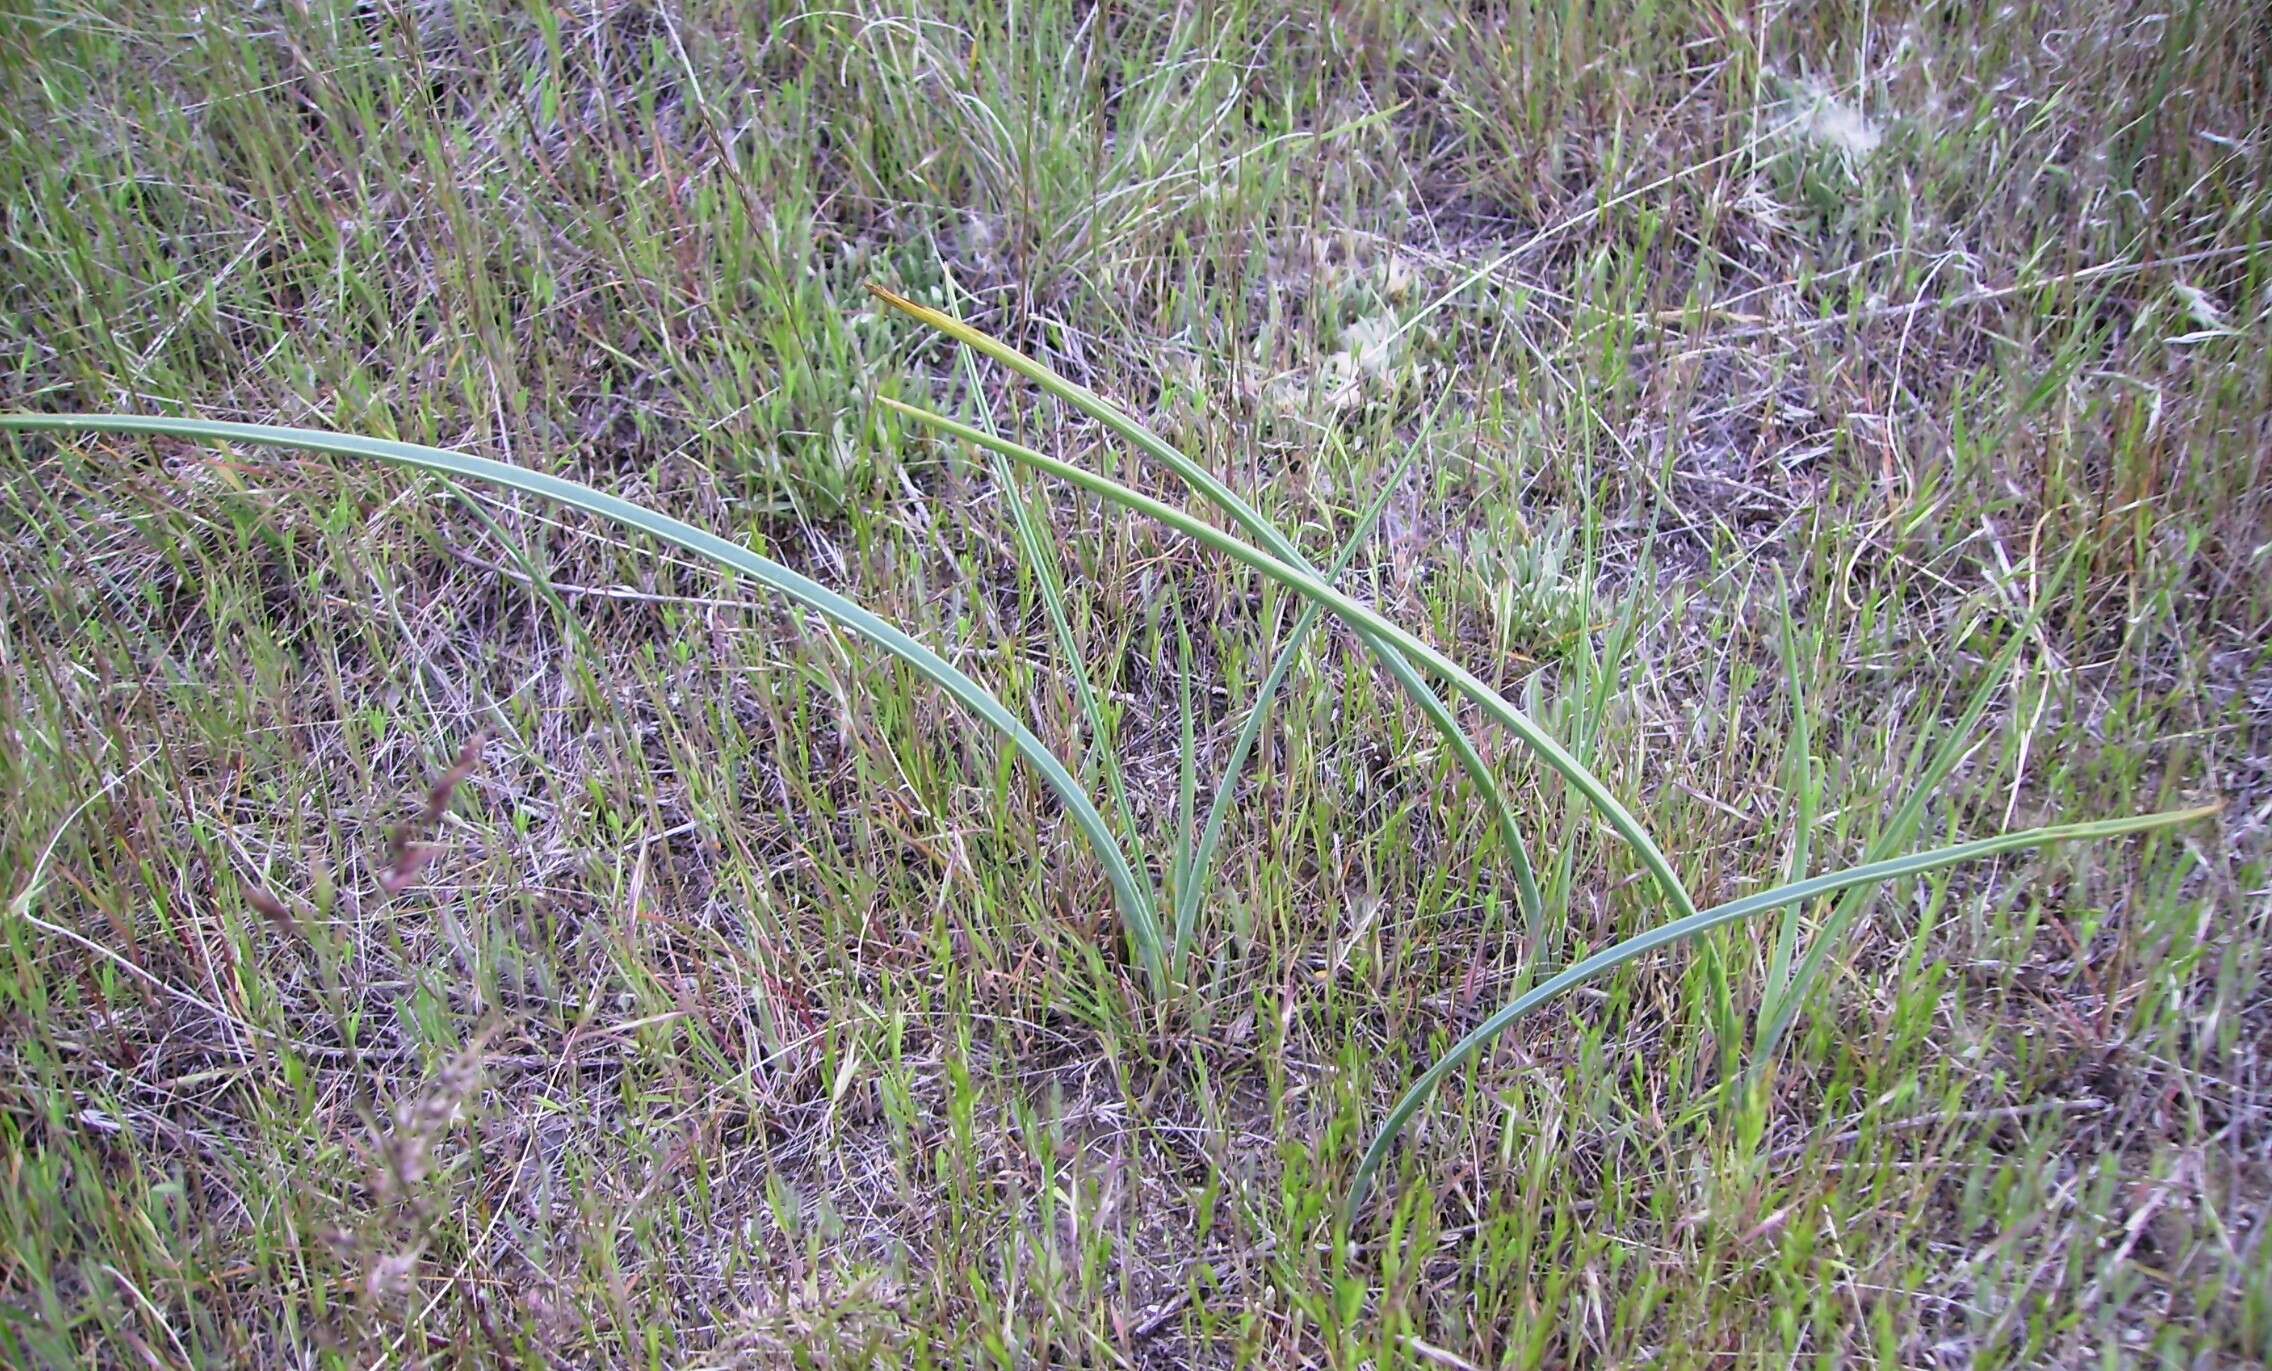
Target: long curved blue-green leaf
x=1136, y=904
x=1359, y=617
x=1278, y=545
x=1610, y=958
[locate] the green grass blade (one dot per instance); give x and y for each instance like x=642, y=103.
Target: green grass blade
x=1218, y=811
x=1358, y=617
x=1778, y=1013
x=1799, y=749
x=1041, y=555
x=1135, y=901
x=1187, y=767
x=540, y=584
x=1278, y=545
x=1610, y=958
x=1593, y=680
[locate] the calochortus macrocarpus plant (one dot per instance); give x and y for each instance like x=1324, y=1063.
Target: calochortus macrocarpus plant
x=1161, y=927
x=1401, y=653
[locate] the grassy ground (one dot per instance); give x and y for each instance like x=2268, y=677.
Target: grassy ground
x=755, y=1009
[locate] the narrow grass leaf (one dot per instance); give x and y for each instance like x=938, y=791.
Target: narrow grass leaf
x=1799, y=760
x=1040, y=553
x=1226, y=786
x=1778, y=1013
x=1187, y=767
